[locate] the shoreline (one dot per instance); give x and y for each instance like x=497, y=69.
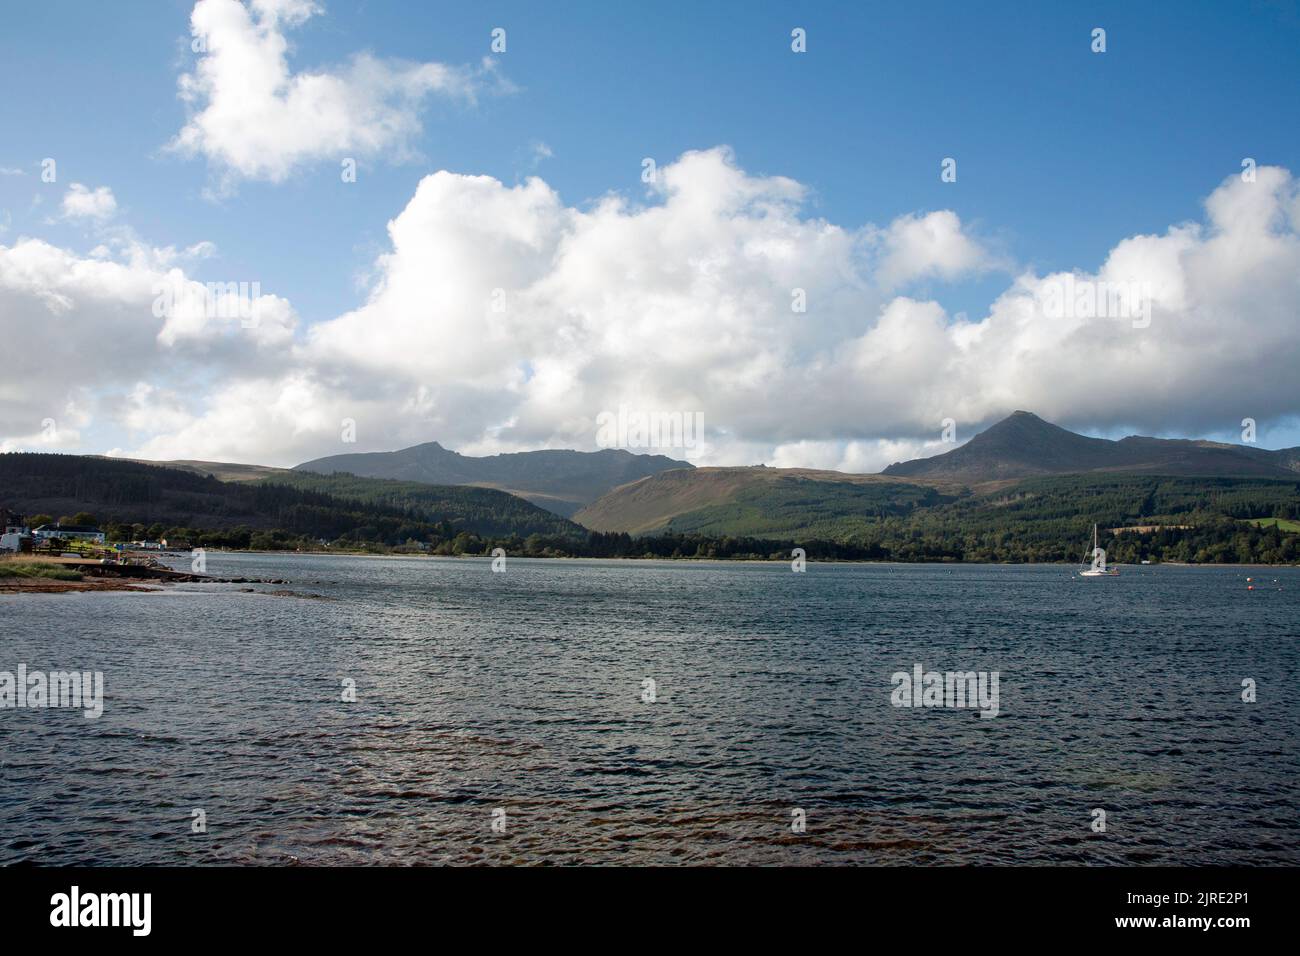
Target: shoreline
x=158, y=580
x=909, y=564
x=92, y=575
x=138, y=585
x=55, y=586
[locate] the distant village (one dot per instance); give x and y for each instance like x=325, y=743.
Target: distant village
x=66, y=534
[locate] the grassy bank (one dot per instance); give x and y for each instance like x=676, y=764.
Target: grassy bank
x=37, y=569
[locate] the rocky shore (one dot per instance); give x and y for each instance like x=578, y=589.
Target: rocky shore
x=65, y=576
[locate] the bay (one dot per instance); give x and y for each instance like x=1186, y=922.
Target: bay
x=520, y=698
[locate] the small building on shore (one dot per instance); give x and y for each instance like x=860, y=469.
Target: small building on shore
x=68, y=532
x=16, y=541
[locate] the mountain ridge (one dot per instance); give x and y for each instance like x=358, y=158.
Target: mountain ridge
x=617, y=491
x=1023, y=445
x=127, y=491
x=559, y=480
x=774, y=501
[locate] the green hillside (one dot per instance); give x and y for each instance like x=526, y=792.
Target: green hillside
x=758, y=501
x=687, y=513
x=482, y=510
x=799, y=506
x=221, y=470
x=1051, y=519
x=131, y=499
x=1282, y=524
x=1045, y=518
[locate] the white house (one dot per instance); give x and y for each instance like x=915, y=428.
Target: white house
x=69, y=532
x=13, y=541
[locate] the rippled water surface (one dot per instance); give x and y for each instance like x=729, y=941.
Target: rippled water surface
x=523, y=691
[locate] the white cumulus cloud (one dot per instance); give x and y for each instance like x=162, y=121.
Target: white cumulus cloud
x=81, y=202
x=502, y=317
x=94, y=326
x=925, y=246
x=252, y=116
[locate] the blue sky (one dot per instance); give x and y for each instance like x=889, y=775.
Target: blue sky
x=1062, y=152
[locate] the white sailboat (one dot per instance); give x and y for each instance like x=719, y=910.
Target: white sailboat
x=1098, y=569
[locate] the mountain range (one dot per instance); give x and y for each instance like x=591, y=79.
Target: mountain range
x=776, y=502
x=560, y=481
x=1023, y=489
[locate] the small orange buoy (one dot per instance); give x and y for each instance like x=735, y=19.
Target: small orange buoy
x=1250, y=587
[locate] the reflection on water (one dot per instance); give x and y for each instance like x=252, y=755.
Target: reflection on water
x=523, y=691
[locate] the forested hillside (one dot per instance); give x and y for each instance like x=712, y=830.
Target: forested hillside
x=1041, y=519
x=1047, y=518
x=150, y=500
x=1050, y=519
x=483, y=510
